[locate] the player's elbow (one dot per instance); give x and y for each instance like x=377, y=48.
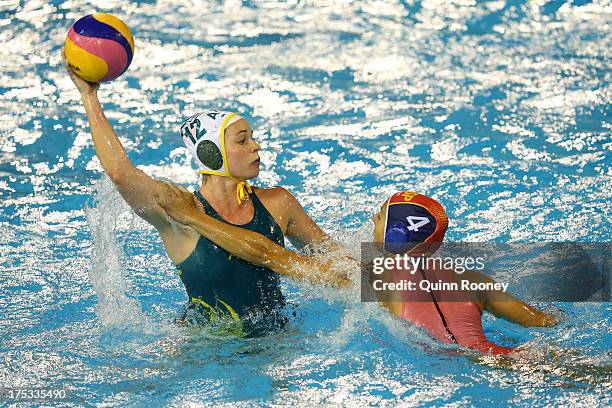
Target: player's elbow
x=118, y=177
x=120, y=171
x=128, y=179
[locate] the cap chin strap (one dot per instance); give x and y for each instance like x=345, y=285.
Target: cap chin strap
x=243, y=189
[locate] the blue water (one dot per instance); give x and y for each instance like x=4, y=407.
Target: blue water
x=499, y=109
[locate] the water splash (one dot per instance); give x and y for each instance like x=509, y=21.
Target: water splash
x=108, y=273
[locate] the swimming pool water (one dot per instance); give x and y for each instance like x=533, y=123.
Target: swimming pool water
x=500, y=110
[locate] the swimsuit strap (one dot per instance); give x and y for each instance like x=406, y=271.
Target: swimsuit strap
x=439, y=310
x=261, y=211
x=257, y=203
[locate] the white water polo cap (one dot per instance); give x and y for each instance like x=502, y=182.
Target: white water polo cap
x=204, y=136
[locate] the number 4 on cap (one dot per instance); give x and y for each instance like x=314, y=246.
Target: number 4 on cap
x=420, y=221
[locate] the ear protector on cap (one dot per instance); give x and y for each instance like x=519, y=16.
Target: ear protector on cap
x=397, y=237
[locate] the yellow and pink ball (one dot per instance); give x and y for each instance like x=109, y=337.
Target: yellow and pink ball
x=99, y=47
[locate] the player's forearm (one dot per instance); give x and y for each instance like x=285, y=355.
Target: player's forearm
x=259, y=250
x=109, y=149
x=515, y=310
x=506, y=306
x=245, y=244
x=527, y=316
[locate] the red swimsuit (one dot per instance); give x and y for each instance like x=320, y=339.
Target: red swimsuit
x=456, y=321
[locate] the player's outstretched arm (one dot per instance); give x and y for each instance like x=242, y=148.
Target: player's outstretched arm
x=248, y=245
x=506, y=306
x=137, y=188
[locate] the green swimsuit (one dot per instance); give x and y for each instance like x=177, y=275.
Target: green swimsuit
x=241, y=298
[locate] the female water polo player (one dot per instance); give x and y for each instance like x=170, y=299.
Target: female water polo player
x=457, y=320
x=227, y=156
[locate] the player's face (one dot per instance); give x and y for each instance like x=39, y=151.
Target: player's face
x=242, y=150
x=379, y=223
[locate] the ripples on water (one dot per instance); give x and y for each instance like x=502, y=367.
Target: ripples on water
x=498, y=109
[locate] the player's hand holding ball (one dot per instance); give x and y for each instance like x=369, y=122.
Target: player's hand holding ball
x=98, y=48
